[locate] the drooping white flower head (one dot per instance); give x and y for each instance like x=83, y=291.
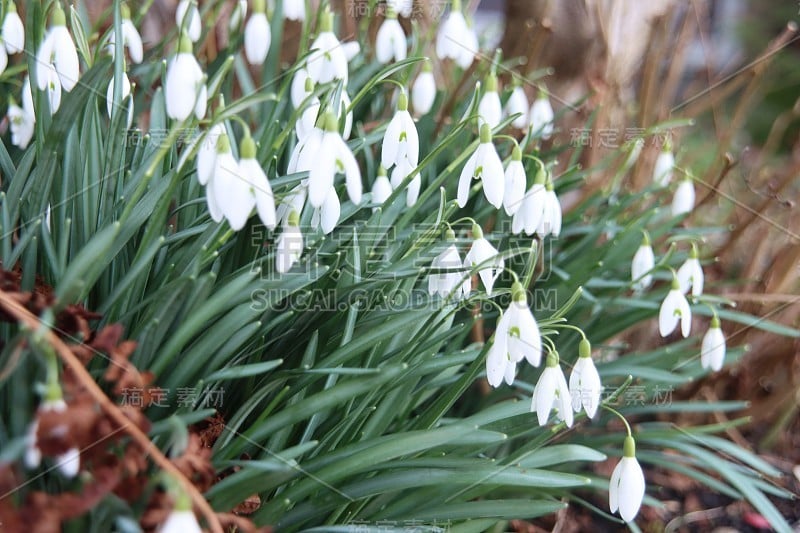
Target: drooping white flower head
x=643, y=262
x=289, y=246
x=332, y=157
x=530, y=214
x=665, y=162
x=131, y=39
x=390, y=43
x=327, y=216
x=57, y=51
x=633, y=148
x=67, y=463
x=250, y=170
x=257, y=35
x=22, y=119
x=401, y=141
x=675, y=308
x=585, y=386
x=381, y=188
x=185, y=90
x=207, y=152
x=516, y=337
x=484, y=255
x=237, y=15
x=328, y=60
x=518, y=103
x=690, y=274
x=683, y=201
x=551, y=217
x=308, y=118
x=181, y=519
x=294, y=10
x=485, y=165
x=551, y=392
x=626, y=489
x=13, y=32
x=712, y=351
x=400, y=172
x=126, y=93
x=187, y=18
x=52, y=87
x=423, y=92
x=448, y=276
x=402, y=7
x=515, y=181
x=541, y=116
x=490, y=110
x=456, y=40
x=231, y=189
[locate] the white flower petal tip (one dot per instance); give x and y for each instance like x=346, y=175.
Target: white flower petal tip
x=627, y=486
x=257, y=38
x=483, y=254
x=289, y=246
x=541, y=117
x=683, y=201
x=584, y=382
x=423, y=92
x=390, y=43
x=690, y=275
x=662, y=171
x=490, y=110
x=187, y=17
x=448, y=277
x=180, y=521
x=675, y=308
x=643, y=263
x=13, y=31
x=456, y=40
x=185, y=91
x=518, y=105
x=294, y=10
x=552, y=392
x=712, y=351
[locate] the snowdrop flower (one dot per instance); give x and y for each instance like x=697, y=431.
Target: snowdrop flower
x=327, y=61
x=531, y=212
x=289, y=246
x=690, y=274
x=57, y=51
x=517, y=103
x=52, y=87
x=401, y=141
x=181, y=519
x=400, y=172
x=683, y=201
x=423, y=92
x=551, y=391
x=482, y=253
x=126, y=92
x=515, y=181
x=187, y=17
x=626, y=490
x=485, y=165
x=456, y=40
x=294, y=9
x=551, y=217
x=674, y=308
x=516, y=338
x=13, y=32
x=207, y=152
x=451, y=281
x=381, y=189
x=302, y=84
x=665, y=162
x=584, y=382
x=237, y=15
x=22, y=119
x=643, y=262
x=541, y=115
x=712, y=352
x=185, y=90
x=228, y=191
x=130, y=37
x=390, y=42
x=250, y=171
x=257, y=36
x=67, y=463
x=333, y=156
x=402, y=7
x=327, y=216
x=490, y=111
x=305, y=124
x=633, y=147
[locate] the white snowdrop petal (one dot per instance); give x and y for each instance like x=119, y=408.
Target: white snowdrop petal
x=65, y=58
x=180, y=522
x=490, y=111
x=381, y=190
x=423, y=93
x=465, y=180
x=643, y=262
x=69, y=463
x=544, y=395
x=329, y=212
x=541, y=117
x=493, y=176
x=133, y=41
x=257, y=38
x=13, y=33
x=496, y=362
x=683, y=201
x=712, y=352
x=662, y=172
x=631, y=488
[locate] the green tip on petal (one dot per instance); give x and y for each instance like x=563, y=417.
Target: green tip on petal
x=326, y=22
x=477, y=231
x=518, y=292
x=53, y=392
x=629, y=447
x=552, y=359
x=491, y=82
x=667, y=146
x=549, y=184
x=390, y=12
x=309, y=85
x=402, y=102
x=516, y=153
x=541, y=177
x=645, y=238
x=693, y=252
x=58, y=18
x=125, y=11
x=11, y=7
x=223, y=144
x=676, y=285
x=585, y=348
x=486, y=134
x=294, y=218
x=449, y=235
x=543, y=94
x=329, y=121
x=247, y=148
x=456, y=5
x=427, y=66
x=715, y=322
x=259, y=6
x=182, y=500
x=184, y=44
x=381, y=171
